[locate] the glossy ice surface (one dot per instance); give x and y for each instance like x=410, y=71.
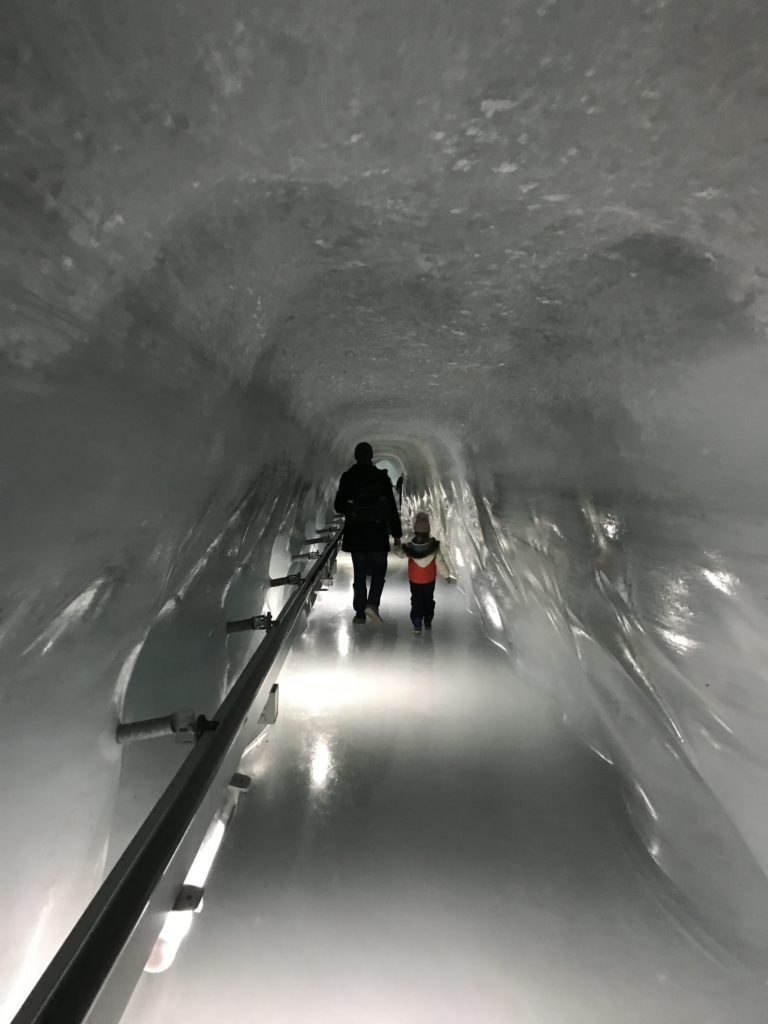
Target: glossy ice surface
x=520, y=247
x=422, y=842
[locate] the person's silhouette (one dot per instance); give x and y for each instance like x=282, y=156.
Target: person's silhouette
x=366, y=501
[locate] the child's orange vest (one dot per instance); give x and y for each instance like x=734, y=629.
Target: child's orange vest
x=426, y=575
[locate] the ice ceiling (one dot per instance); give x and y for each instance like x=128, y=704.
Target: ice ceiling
x=539, y=225
x=521, y=243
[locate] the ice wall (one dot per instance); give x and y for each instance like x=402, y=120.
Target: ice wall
x=519, y=246
x=149, y=464
x=644, y=625
x=134, y=512
x=146, y=458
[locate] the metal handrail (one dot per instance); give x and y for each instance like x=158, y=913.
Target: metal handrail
x=93, y=975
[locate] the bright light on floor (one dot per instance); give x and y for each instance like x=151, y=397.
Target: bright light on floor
x=342, y=640
x=321, y=763
x=201, y=866
x=178, y=922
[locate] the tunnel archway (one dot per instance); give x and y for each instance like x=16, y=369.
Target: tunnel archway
x=521, y=249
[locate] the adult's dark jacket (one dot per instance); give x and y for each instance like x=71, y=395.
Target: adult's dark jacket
x=366, y=500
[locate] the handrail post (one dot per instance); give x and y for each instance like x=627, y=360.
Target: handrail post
x=151, y=728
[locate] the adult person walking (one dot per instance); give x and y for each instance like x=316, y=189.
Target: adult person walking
x=366, y=501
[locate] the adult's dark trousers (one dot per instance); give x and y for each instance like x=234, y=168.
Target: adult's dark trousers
x=422, y=603
x=368, y=565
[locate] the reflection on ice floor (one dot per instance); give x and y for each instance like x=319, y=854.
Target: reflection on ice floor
x=422, y=842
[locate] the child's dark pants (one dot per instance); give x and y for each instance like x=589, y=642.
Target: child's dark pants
x=422, y=603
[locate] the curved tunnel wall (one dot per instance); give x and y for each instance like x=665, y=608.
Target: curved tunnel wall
x=649, y=644
x=520, y=248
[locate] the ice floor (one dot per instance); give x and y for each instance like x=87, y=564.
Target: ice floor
x=422, y=843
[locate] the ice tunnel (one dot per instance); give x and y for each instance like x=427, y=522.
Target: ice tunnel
x=520, y=248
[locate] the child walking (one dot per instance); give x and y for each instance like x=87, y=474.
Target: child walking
x=425, y=559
